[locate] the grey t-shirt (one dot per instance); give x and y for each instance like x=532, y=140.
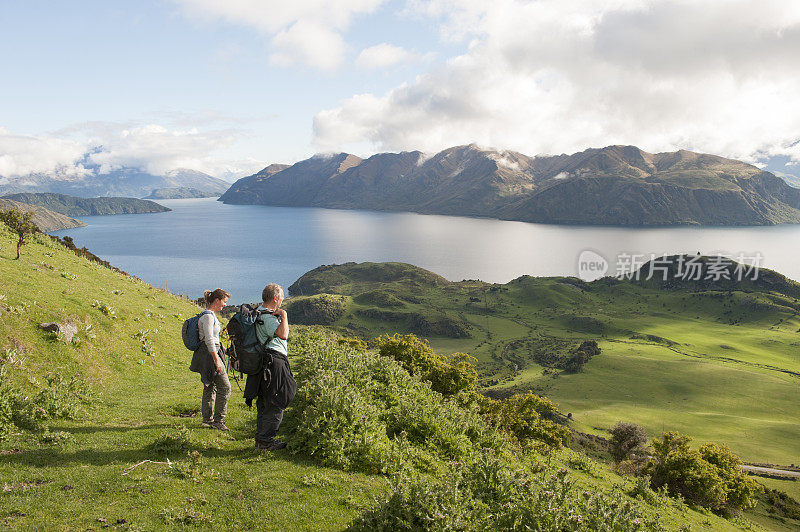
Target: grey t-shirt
x=208, y=328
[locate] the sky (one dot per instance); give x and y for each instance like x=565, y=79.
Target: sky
x=227, y=87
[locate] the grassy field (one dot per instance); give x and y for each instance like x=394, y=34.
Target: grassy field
x=141, y=388
x=718, y=365
x=92, y=471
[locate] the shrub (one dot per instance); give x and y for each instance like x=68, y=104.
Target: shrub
x=61, y=398
x=579, y=356
x=526, y=417
x=448, y=375
x=491, y=493
x=178, y=441
x=626, y=440
x=322, y=309
x=360, y=411
x=710, y=477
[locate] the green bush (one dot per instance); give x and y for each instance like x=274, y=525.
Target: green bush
x=710, y=477
x=626, y=440
x=357, y=410
x=525, y=416
x=448, y=375
x=177, y=441
x=490, y=493
x=322, y=309
x=61, y=398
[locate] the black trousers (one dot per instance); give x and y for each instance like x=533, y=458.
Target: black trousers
x=268, y=419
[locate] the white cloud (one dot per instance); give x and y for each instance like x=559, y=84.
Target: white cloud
x=99, y=147
x=21, y=155
x=552, y=76
x=307, y=32
x=384, y=55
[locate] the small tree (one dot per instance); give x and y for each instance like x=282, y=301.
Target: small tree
x=627, y=439
x=711, y=477
x=20, y=223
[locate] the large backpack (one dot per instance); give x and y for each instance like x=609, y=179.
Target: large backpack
x=247, y=354
x=191, y=332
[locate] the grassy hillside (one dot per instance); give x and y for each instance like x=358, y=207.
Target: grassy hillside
x=719, y=365
x=75, y=206
x=45, y=219
x=137, y=368
x=90, y=471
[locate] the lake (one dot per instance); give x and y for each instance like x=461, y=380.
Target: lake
x=204, y=244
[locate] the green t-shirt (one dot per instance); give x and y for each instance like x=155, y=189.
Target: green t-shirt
x=267, y=330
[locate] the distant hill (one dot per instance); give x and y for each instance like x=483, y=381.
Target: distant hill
x=45, y=219
x=129, y=182
x=180, y=193
x=616, y=185
x=74, y=206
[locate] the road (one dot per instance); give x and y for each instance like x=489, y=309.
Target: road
x=769, y=470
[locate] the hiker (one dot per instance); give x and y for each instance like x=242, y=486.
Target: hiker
x=209, y=361
x=274, y=387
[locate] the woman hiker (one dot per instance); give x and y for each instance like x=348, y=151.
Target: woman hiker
x=209, y=361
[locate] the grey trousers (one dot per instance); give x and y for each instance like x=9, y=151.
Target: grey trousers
x=268, y=419
x=215, y=398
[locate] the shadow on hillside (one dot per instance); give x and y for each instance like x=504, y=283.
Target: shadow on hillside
x=53, y=457
x=83, y=429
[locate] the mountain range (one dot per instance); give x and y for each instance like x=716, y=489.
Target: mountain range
x=130, y=182
x=615, y=185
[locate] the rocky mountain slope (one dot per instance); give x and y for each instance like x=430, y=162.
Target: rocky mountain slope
x=131, y=182
x=180, y=193
x=45, y=219
x=616, y=185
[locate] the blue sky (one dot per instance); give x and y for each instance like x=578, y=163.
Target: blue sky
x=149, y=62
x=227, y=87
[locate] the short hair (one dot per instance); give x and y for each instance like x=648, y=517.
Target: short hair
x=212, y=295
x=270, y=292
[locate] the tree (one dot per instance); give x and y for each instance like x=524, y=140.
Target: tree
x=626, y=439
x=711, y=477
x=20, y=223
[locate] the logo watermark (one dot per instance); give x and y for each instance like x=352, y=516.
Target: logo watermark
x=643, y=266
x=591, y=265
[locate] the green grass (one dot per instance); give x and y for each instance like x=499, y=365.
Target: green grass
x=74, y=484
x=142, y=388
x=715, y=365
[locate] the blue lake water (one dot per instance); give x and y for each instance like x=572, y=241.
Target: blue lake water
x=203, y=243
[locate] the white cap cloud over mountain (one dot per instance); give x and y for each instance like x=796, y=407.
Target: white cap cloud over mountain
x=101, y=147
x=308, y=32
x=552, y=76
x=22, y=155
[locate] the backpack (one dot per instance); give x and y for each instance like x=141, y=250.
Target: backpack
x=191, y=332
x=247, y=354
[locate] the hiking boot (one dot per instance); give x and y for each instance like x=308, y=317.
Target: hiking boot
x=206, y=424
x=272, y=445
x=220, y=425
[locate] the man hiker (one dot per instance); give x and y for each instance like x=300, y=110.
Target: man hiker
x=274, y=387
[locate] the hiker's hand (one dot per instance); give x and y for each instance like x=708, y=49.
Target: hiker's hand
x=280, y=312
x=220, y=367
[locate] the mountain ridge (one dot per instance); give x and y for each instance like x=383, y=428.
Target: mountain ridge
x=614, y=185
x=130, y=182
x=77, y=206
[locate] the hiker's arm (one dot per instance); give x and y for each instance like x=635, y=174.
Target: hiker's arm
x=282, y=331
